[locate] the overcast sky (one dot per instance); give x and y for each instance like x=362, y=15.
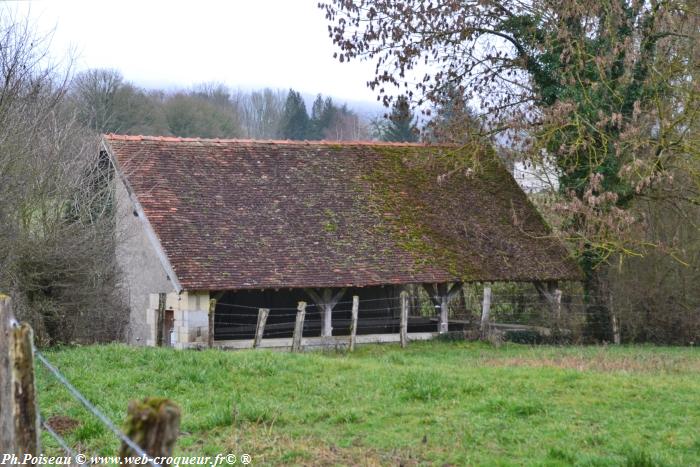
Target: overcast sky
x=241, y=43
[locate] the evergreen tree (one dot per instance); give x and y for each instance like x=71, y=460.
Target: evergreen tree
x=324, y=117
x=315, y=125
x=401, y=126
x=453, y=120
x=295, y=120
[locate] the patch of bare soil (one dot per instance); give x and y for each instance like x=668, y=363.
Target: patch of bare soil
x=62, y=424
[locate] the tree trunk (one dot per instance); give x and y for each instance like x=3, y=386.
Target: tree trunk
x=597, y=299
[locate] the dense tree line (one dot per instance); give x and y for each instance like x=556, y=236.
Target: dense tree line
x=106, y=103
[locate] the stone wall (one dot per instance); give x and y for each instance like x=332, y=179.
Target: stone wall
x=142, y=271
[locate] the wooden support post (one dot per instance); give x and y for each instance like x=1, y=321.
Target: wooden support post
x=440, y=296
x=326, y=301
x=485, y=312
x=353, y=321
x=299, y=327
x=160, y=316
x=19, y=418
x=444, y=310
x=154, y=425
x=260, y=328
x=557, y=312
x=403, y=331
x=327, y=330
x=212, y=322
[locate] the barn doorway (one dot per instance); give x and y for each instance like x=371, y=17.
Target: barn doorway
x=169, y=328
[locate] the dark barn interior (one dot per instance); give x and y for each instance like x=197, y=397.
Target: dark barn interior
x=378, y=313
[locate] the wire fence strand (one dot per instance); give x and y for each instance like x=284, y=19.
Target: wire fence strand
x=93, y=409
x=58, y=438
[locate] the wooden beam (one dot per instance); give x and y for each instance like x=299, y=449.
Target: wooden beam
x=485, y=311
x=314, y=296
x=212, y=322
x=454, y=290
x=299, y=327
x=260, y=328
x=403, y=331
x=160, y=316
x=353, y=322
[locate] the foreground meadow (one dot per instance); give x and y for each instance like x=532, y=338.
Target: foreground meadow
x=454, y=403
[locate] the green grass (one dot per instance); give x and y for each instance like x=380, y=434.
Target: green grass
x=432, y=403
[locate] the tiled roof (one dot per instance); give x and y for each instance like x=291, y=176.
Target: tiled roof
x=241, y=214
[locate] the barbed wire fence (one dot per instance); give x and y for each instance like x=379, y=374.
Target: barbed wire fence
x=517, y=312
x=494, y=312
x=21, y=422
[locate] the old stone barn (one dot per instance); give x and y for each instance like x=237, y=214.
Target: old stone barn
x=266, y=224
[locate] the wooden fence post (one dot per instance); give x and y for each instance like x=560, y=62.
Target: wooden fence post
x=485, y=312
x=299, y=327
x=614, y=323
x=403, y=331
x=19, y=418
x=260, y=328
x=154, y=425
x=160, y=316
x=353, y=321
x=7, y=432
x=212, y=315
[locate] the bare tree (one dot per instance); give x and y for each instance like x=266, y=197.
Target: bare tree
x=262, y=111
x=56, y=227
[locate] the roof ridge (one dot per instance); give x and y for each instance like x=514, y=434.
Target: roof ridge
x=179, y=139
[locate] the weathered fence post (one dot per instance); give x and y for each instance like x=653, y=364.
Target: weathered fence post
x=614, y=323
x=154, y=425
x=615, y=329
x=299, y=327
x=260, y=328
x=19, y=420
x=353, y=321
x=7, y=432
x=212, y=315
x=160, y=316
x=403, y=330
x=485, y=312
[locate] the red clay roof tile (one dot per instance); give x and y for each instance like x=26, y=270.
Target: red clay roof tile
x=241, y=214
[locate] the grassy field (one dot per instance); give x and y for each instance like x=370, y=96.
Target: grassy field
x=452, y=403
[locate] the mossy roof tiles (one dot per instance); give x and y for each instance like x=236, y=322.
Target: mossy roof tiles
x=241, y=214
